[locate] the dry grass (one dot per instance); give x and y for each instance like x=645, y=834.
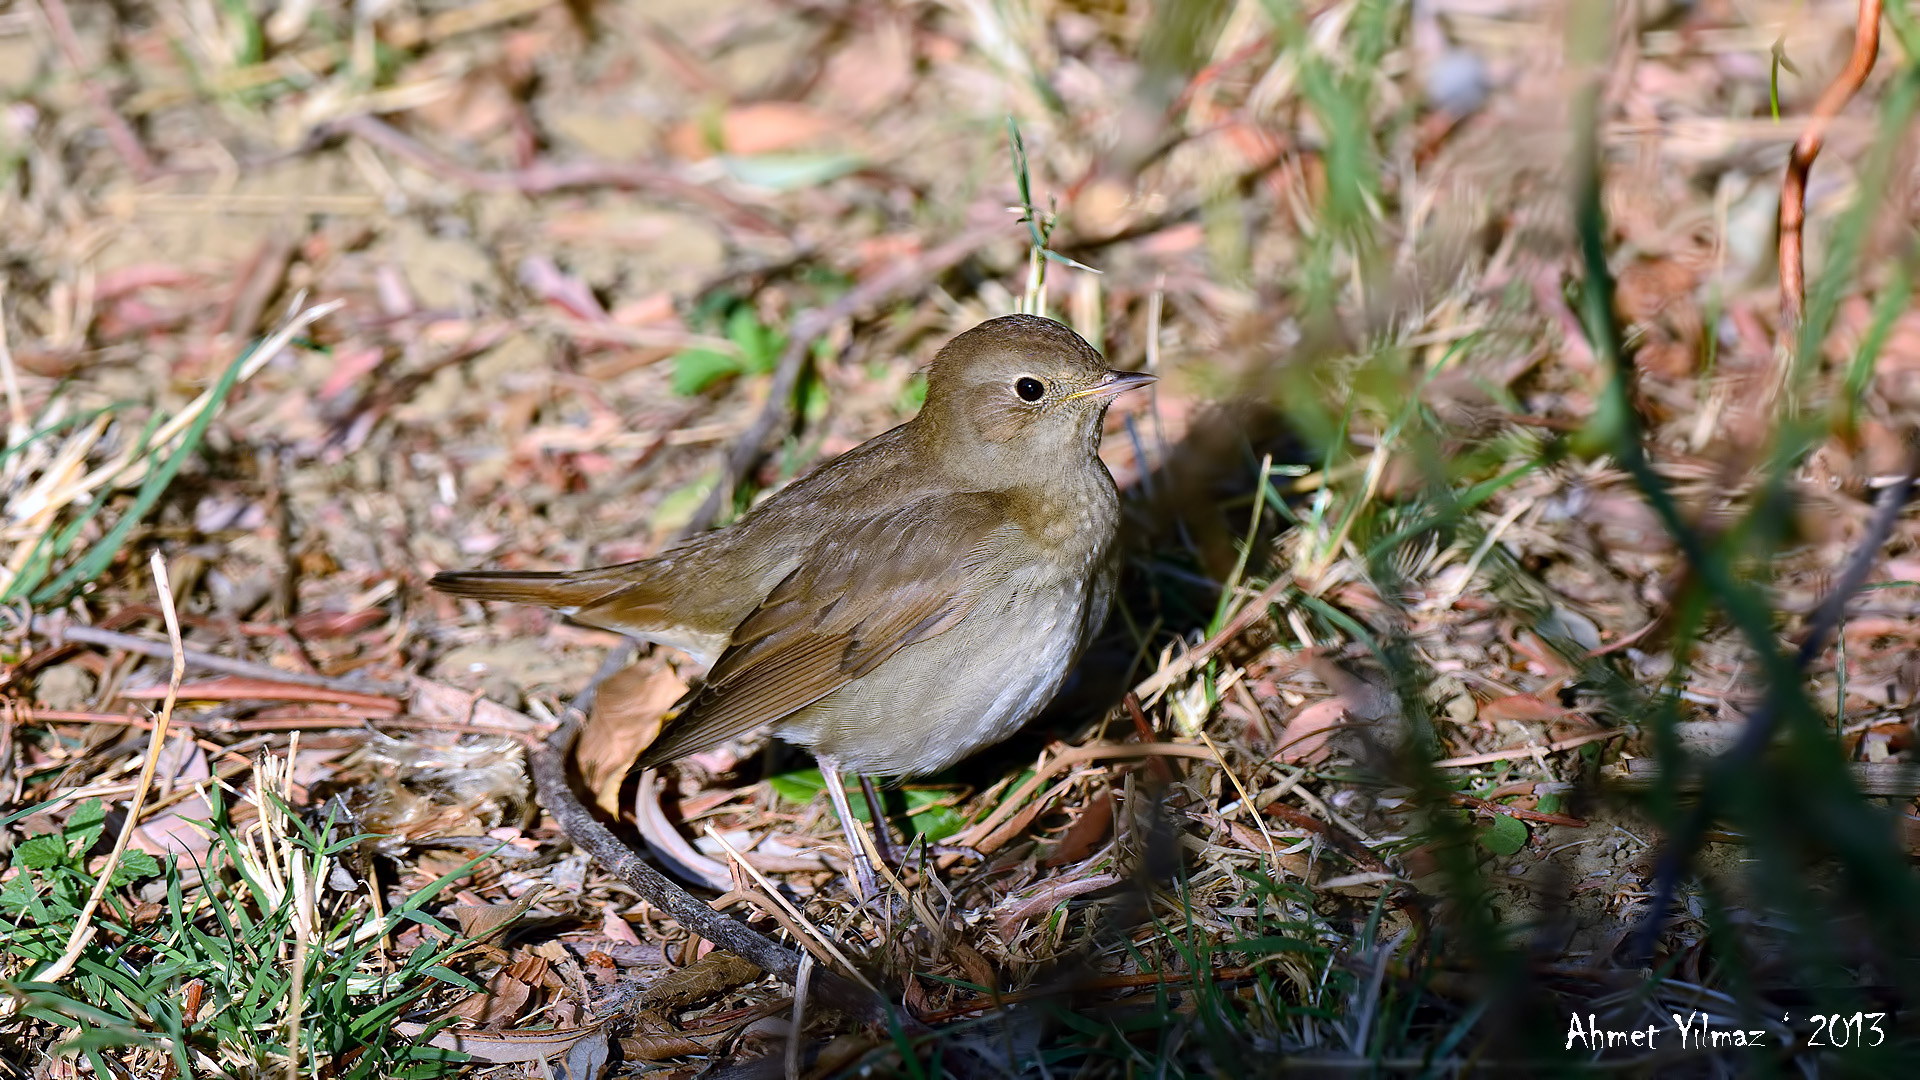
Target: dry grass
x=1447, y=576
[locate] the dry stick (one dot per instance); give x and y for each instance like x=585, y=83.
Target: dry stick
x=548, y=765
x=83, y=928
x=799, y=1016
x=1793, y=188
x=1760, y=725
x=809, y=325
x=225, y=665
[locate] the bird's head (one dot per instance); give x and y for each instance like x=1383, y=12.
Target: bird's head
x=1019, y=395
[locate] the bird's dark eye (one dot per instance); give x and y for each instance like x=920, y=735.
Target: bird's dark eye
x=1029, y=388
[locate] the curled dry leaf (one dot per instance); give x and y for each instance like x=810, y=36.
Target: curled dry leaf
x=482, y=921
x=1086, y=832
x=626, y=718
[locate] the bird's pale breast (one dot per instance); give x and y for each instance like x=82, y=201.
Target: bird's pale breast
x=939, y=700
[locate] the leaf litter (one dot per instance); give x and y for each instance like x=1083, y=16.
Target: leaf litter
x=1405, y=640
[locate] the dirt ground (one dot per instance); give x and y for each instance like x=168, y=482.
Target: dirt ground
x=1427, y=681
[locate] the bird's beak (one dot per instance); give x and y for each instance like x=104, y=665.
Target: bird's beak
x=1113, y=384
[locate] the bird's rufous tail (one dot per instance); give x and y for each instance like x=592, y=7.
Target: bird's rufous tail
x=555, y=590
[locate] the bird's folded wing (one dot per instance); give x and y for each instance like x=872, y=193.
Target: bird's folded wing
x=866, y=590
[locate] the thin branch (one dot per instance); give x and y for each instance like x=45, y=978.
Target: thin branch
x=548, y=765
x=225, y=665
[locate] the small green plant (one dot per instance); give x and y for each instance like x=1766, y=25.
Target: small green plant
x=205, y=974
x=756, y=349
x=929, y=813
x=1040, y=226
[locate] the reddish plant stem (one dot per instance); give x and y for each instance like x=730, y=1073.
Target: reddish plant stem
x=118, y=131
x=1793, y=188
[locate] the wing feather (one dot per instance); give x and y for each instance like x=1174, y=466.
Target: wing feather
x=867, y=590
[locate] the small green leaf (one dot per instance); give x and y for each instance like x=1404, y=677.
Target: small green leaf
x=452, y=978
x=134, y=865
x=1504, y=835
x=41, y=852
x=788, y=172
x=935, y=824
x=798, y=787
x=83, y=826
x=803, y=786
x=697, y=369
x=1550, y=803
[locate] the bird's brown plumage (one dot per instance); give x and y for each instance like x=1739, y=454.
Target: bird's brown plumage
x=906, y=603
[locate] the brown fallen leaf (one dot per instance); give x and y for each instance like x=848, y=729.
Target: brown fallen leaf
x=708, y=977
x=1522, y=707
x=626, y=719
x=1086, y=832
x=1304, y=739
x=483, y=921
x=500, y=1004
x=757, y=128
x=644, y=1047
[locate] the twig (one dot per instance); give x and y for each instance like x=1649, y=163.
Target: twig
x=83, y=928
x=828, y=950
x=1348, y=845
x=1161, y=770
x=1488, y=806
x=1759, y=730
x=547, y=761
x=799, y=1016
x=1793, y=187
x=225, y=665
x=807, y=326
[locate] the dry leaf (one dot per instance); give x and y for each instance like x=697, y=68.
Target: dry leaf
x=1521, y=707
x=1086, y=832
x=1304, y=739
x=759, y=128
x=626, y=719
x=708, y=977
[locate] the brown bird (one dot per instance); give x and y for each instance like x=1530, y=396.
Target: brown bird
x=907, y=603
